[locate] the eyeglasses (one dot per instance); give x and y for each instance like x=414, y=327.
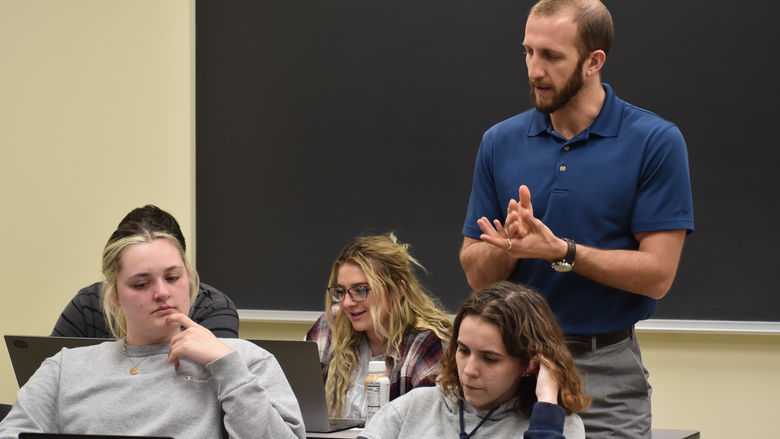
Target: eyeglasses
x=357, y=294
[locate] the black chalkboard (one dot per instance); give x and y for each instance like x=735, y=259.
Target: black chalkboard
x=318, y=121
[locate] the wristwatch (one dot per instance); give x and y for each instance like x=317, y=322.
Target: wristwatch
x=567, y=263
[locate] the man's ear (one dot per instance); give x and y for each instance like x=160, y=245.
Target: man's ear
x=595, y=62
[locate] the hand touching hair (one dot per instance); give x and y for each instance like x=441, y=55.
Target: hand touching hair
x=530, y=332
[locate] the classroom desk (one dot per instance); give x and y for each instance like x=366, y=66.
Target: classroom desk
x=660, y=433
x=657, y=433
x=352, y=433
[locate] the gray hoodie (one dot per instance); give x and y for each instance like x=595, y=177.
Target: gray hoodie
x=91, y=390
x=426, y=413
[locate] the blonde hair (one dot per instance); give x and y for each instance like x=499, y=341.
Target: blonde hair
x=387, y=266
x=139, y=226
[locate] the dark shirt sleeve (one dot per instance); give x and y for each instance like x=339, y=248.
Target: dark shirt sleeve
x=83, y=316
x=215, y=311
x=546, y=422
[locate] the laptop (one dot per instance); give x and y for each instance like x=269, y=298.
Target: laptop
x=300, y=361
x=28, y=352
x=83, y=436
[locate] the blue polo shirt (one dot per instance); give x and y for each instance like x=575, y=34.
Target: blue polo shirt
x=624, y=174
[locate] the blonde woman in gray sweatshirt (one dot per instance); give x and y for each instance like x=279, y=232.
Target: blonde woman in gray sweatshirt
x=165, y=375
x=506, y=374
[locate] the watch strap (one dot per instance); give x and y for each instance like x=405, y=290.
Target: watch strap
x=571, y=252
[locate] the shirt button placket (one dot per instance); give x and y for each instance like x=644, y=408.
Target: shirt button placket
x=562, y=167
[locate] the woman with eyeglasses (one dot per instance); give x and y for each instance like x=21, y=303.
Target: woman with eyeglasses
x=506, y=373
x=376, y=309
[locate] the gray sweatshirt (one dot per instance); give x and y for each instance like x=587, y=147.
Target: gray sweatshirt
x=242, y=395
x=426, y=413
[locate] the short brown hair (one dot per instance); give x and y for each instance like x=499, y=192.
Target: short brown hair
x=594, y=22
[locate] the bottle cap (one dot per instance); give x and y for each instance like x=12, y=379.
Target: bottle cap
x=377, y=367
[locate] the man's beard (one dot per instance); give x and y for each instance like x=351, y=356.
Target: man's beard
x=570, y=89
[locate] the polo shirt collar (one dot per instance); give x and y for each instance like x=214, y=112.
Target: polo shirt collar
x=607, y=123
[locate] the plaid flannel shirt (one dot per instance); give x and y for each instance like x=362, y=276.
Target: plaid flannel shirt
x=412, y=365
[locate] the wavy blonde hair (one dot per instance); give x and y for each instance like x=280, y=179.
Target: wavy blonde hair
x=528, y=328
x=388, y=267
x=144, y=224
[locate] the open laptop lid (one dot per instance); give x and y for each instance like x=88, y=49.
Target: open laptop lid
x=300, y=361
x=83, y=436
x=27, y=352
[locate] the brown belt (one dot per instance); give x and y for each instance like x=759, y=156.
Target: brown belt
x=581, y=344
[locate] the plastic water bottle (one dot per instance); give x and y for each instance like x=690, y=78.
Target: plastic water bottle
x=377, y=387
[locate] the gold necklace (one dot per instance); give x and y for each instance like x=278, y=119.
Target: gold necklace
x=134, y=369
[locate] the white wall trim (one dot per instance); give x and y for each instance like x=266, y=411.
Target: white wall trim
x=709, y=326
x=652, y=325
x=256, y=315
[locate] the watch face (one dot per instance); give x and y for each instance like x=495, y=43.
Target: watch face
x=562, y=266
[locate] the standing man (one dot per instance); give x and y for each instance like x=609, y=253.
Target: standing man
x=603, y=206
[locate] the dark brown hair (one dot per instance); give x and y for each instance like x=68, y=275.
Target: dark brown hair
x=148, y=219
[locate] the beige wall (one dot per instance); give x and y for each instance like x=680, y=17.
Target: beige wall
x=96, y=117
x=723, y=385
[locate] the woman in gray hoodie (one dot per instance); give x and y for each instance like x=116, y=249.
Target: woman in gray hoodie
x=506, y=373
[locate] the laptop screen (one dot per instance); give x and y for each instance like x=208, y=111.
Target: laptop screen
x=27, y=352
